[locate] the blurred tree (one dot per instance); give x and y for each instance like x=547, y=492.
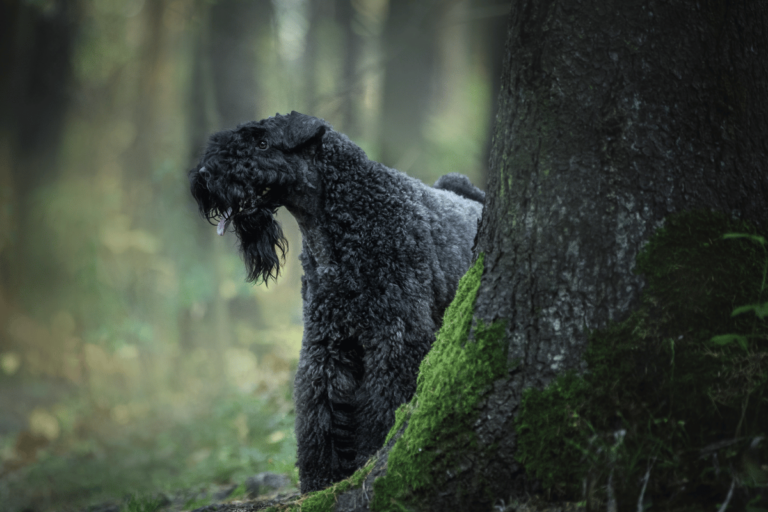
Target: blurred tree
x=35, y=55
x=224, y=92
x=226, y=61
x=409, y=40
x=319, y=12
x=490, y=19
x=351, y=78
x=609, y=121
x=237, y=29
x=333, y=48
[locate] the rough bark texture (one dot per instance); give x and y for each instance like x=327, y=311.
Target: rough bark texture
x=611, y=117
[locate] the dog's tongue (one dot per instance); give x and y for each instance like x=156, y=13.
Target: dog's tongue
x=224, y=222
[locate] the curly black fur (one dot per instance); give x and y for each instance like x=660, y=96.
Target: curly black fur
x=460, y=184
x=382, y=255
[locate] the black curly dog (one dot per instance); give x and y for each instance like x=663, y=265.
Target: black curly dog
x=382, y=255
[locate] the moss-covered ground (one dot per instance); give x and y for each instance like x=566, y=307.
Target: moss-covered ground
x=456, y=372
x=674, y=405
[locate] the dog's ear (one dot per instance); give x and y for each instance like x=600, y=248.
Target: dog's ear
x=303, y=130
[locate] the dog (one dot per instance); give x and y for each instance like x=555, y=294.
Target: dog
x=382, y=255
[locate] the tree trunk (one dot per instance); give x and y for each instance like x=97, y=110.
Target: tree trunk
x=610, y=120
x=350, y=75
x=490, y=29
x=409, y=42
x=36, y=55
x=224, y=93
x=235, y=31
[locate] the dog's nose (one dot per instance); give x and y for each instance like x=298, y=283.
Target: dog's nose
x=205, y=176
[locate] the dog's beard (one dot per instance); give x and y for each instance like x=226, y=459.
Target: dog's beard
x=261, y=238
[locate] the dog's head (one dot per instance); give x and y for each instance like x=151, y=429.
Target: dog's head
x=245, y=174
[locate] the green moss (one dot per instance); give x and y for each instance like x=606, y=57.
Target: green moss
x=325, y=500
x=401, y=415
x=543, y=438
x=658, y=390
x=454, y=375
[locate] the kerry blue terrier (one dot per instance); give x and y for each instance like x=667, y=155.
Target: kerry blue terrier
x=382, y=255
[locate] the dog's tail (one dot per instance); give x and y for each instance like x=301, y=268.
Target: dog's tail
x=460, y=184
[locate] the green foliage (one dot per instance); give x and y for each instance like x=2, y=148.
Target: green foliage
x=458, y=370
x=145, y=504
x=196, y=503
x=664, y=386
x=225, y=441
x=240, y=492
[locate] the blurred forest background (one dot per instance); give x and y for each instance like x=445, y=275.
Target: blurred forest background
x=133, y=355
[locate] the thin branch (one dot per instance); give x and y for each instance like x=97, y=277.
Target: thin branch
x=611, y=506
x=645, y=484
x=728, y=498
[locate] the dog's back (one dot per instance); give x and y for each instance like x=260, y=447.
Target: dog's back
x=460, y=184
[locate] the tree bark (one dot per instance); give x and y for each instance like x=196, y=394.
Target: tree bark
x=611, y=117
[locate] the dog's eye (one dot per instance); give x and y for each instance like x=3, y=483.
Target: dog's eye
x=263, y=144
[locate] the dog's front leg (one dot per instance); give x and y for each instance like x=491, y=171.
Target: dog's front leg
x=328, y=375
x=390, y=381
x=313, y=420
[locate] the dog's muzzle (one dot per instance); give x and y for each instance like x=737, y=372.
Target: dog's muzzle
x=226, y=216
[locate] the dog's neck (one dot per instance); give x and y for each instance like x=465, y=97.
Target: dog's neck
x=309, y=202
x=304, y=199
x=305, y=204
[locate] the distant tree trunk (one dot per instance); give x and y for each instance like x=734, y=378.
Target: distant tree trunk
x=490, y=29
x=317, y=12
x=409, y=49
x=350, y=78
x=224, y=92
x=35, y=54
x=610, y=119
x=340, y=99
x=236, y=27
x=150, y=76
